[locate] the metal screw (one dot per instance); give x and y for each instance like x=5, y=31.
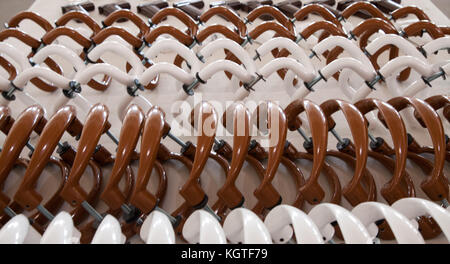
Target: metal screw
x=9, y=211
x=336, y=135
x=45, y=212
x=91, y=210
x=177, y=140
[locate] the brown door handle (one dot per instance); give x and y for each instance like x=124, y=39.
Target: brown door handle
x=79, y=16
x=28, y=15
x=129, y=135
x=228, y=14
x=191, y=191
x=320, y=10
x=182, y=37
x=229, y=194
x=271, y=26
x=318, y=123
x=398, y=187
x=354, y=192
x=273, y=12
x=180, y=15
x=363, y=6
x=221, y=29
x=53, y=34
x=417, y=29
x=17, y=137
x=437, y=102
x=94, y=127
x=256, y=155
x=409, y=10
x=151, y=137
x=34, y=45
x=333, y=180
x=112, y=194
x=26, y=196
x=126, y=14
x=267, y=195
x=435, y=185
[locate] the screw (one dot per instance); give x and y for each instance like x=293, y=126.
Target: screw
x=45, y=212
x=9, y=211
x=336, y=135
x=91, y=210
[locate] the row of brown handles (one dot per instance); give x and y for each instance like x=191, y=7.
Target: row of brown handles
x=281, y=26
x=151, y=127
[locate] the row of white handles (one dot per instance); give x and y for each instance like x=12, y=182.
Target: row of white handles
x=299, y=65
x=281, y=225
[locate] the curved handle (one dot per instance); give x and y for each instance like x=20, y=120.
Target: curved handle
x=402, y=62
x=352, y=229
x=393, y=190
x=417, y=28
x=226, y=13
x=182, y=16
x=182, y=37
x=407, y=10
x=17, y=137
x=354, y=191
x=119, y=49
x=284, y=43
x=164, y=67
x=304, y=73
x=390, y=39
x=317, y=9
x=277, y=125
x=326, y=26
x=33, y=16
x=171, y=45
x=344, y=43
x=349, y=63
x=53, y=34
x=219, y=29
x=415, y=207
x=207, y=124
x=225, y=65
x=404, y=231
x=79, y=16
x=436, y=44
x=129, y=135
x=311, y=190
x=62, y=51
x=271, y=26
x=151, y=136
x=273, y=12
x=233, y=48
x=127, y=14
x=437, y=102
x=95, y=125
x=84, y=76
x=45, y=73
x=241, y=140
x=26, y=196
x=434, y=185
x=366, y=6
x=117, y=31
x=21, y=36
